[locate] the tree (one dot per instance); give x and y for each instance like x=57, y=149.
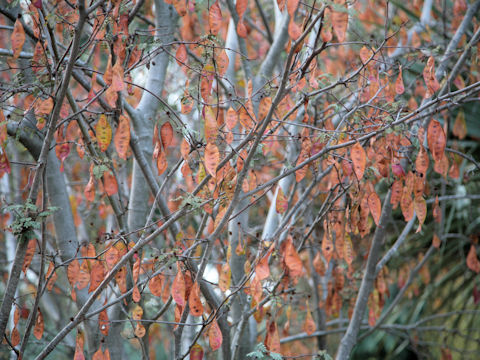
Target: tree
x=231, y=179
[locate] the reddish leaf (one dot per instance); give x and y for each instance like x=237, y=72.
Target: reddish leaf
x=215, y=18
x=472, y=260
x=242, y=29
x=375, y=206
x=39, y=325
x=294, y=30
x=232, y=118
x=117, y=77
x=422, y=161
x=215, y=337
x=292, y=7
x=282, y=202
x=292, y=260
x=272, y=340
x=110, y=183
x=180, y=6
x=179, y=288
x=15, y=337
x=181, y=55
x=241, y=6
x=420, y=207
x=89, y=191
x=122, y=137
x=359, y=159
x=225, y=277
x=79, y=355
x=340, y=22
x=196, y=307
x=436, y=140
x=262, y=270
x=406, y=204
x=399, y=87
x=429, y=77
x=166, y=134
x=103, y=323
x=17, y=38
x=222, y=62
x=32, y=244
x=460, y=126
x=212, y=158
x=51, y=275
x=162, y=163
x=97, y=274
x=309, y=324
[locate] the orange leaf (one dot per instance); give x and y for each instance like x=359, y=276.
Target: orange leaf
x=282, y=202
x=375, y=206
x=436, y=241
x=292, y=7
x=43, y=108
x=79, y=355
x=117, y=76
x=215, y=337
x=52, y=275
x=39, y=325
x=15, y=337
x=406, y=204
x=225, y=277
x=262, y=270
x=472, y=260
x=359, y=159
x=108, y=75
x=309, y=325
x=140, y=331
x=340, y=23
x=181, y=7
x=210, y=125
x=429, y=77
x=110, y=183
x=399, y=87
x=327, y=247
x=196, y=353
x=162, y=163
x=241, y=6
x=181, y=55
x=294, y=30
x=17, y=38
x=420, y=207
x=97, y=274
x=212, y=158
x=422, y=161
x=179, y=288
x=348, y=252
x=104, y=133
x=73, y=270
x=89, y=191
x=232, y=118
x=436, y=140
x=103, y=322
x=215, y=18
x=396, y=193
x=32, y=244
x=272, y=340
x=292, y=259
x=166, y=134
x=264, y=107
x=196, y=307
x=460, y=126
x=156, y=284
x=222, y=62
x=242, y=29
x=122, y=137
